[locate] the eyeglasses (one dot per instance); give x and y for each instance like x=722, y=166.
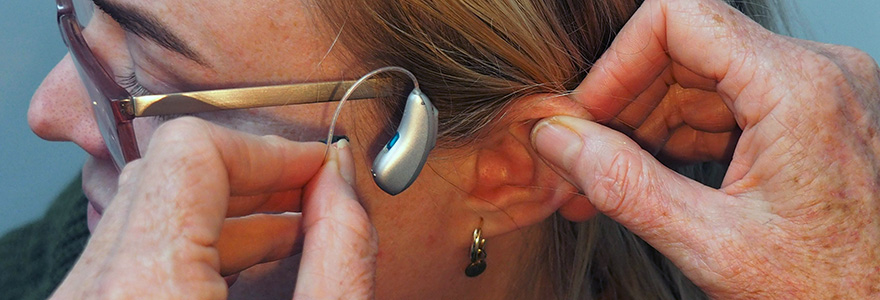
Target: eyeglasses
x=115, y=108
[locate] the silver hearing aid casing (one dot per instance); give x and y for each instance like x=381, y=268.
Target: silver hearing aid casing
x=401, y=160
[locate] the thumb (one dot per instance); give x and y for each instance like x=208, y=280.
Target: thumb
x=340, y=245
x=626, y=183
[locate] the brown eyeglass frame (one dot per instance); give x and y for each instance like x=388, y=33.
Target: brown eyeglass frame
x=126, y=107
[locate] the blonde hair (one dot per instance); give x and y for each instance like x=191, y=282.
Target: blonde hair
x=474, y=56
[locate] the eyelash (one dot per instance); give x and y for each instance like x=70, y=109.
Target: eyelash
x=131, y=84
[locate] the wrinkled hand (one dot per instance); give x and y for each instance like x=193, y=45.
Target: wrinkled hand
x=185, y=216
x=798, y=214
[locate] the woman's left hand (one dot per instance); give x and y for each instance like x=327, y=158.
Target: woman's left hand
x=185, y=215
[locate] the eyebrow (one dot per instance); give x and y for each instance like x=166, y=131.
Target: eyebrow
x=149, y=27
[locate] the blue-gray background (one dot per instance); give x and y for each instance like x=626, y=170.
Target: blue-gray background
x=33, y=171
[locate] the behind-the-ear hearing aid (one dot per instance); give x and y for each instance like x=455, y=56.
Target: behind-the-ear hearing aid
x=400, y=161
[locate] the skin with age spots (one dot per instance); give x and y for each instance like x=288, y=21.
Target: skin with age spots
x=797, y=213
x=194, y=208
x=421, y=230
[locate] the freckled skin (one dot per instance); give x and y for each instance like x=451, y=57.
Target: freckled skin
x=797, y=214
x=422, y=232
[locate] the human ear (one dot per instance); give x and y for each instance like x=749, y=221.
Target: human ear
x=511, y=186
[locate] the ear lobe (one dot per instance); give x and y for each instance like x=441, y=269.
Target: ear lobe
x=512, y=187
x=578, y=209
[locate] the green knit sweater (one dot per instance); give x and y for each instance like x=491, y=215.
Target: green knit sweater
x=35, y=258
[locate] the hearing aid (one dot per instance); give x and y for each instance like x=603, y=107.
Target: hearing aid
x=398, y=164
x=402, y=158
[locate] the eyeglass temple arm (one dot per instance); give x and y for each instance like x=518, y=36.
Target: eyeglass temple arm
x=205, y=101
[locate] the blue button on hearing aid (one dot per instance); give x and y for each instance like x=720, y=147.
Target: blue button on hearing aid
x=393, y=140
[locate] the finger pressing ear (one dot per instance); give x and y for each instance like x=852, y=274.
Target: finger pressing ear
x=626, y=183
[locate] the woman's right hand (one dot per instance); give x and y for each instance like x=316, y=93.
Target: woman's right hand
x=184, y=217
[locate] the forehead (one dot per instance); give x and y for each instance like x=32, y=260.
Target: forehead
x=260, y=41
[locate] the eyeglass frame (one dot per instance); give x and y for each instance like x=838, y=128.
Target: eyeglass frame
x=125, y=107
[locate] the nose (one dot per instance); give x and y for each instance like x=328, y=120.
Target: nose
x=59, y=110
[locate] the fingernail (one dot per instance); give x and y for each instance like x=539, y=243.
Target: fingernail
x=345, y=163
x=556, y=141
x=335, y=139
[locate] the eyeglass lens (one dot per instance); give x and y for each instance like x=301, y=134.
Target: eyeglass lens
x=99, y=101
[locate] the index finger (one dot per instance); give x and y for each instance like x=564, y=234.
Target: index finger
x=195, y=166
x=707, y=38
x=252, y=164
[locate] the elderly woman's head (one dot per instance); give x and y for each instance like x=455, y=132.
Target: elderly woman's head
x=492, y=68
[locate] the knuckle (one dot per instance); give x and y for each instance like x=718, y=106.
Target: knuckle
x=183, y=127
x=840, y=73
x=857, y=62
x=853, y=54
x=128, y=174
x=819, y=72
x=184, y=146
x=189, y=132
x=275, y=141
x=845, y=63
x=622, y=182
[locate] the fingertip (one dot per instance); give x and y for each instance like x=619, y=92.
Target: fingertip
x=336, y=176
x=557, y=140
x=345, y=161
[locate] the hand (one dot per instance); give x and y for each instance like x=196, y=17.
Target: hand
x=185, y=215
x=797, y=213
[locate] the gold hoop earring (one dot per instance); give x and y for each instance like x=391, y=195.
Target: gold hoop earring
x=477, y=253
